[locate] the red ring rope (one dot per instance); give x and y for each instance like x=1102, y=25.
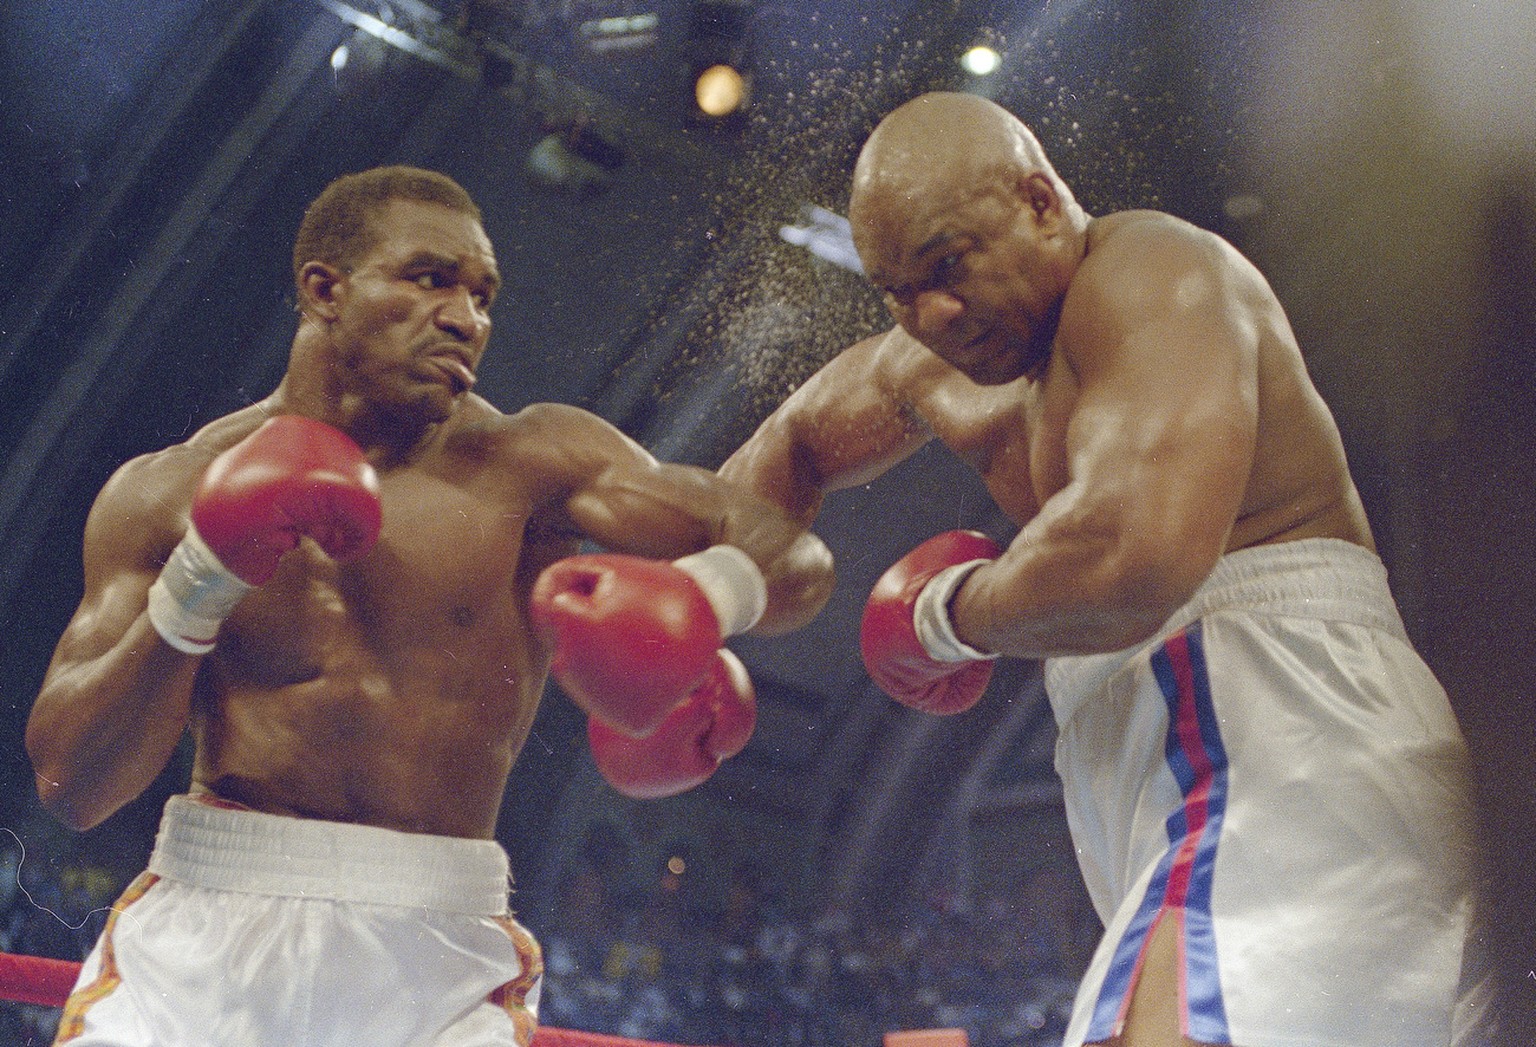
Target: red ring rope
x=34, y=979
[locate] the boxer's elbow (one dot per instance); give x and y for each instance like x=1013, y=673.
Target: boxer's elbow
x=67, y=790
x=63, y=801
x=798, y=593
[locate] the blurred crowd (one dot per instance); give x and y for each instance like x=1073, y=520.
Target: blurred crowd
x=47, y=909
x=759, y=976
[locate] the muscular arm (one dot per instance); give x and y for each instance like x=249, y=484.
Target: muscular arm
x=843, y=427
x=618, y=496
x=1158, y=450
x=116, y=698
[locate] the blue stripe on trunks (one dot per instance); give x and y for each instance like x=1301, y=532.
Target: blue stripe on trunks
x=1181, y=883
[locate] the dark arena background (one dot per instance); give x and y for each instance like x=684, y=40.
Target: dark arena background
x=860, y=868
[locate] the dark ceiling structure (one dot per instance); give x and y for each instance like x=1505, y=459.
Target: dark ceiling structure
x=680, y=276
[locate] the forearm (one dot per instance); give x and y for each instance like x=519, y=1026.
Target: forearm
x=1072, y=585
x=774, y=467
x=848, y=424
x=104, y=727
x=665, y=511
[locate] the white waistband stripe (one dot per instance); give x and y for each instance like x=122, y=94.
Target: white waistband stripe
x=254, y=853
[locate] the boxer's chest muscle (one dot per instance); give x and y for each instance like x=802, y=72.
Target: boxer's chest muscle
x=446, y=543
x=1001, y=432
x=441, y=575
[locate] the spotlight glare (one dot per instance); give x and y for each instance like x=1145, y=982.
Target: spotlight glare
x=719, y=90
x=981, y=61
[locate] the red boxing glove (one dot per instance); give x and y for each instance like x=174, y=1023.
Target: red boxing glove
x=631, y=637
x=711, y=725
x=906, y=638
x=292, y=478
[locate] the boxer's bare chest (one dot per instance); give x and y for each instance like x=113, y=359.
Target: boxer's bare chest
x=344, y=691
x=1013, y=435
x=443, y=575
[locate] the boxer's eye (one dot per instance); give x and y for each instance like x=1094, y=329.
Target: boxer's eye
x=945, y=272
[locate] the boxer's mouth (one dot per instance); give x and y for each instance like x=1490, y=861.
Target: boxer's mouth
x=455, y=364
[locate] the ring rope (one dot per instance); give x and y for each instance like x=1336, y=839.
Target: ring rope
x=38, y=980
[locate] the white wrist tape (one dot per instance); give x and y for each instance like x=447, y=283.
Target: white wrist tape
x=930, y=616
x=193, y=596
x=731, y=582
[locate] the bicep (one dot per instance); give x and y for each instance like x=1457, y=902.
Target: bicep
x=1163, y=433
x=647, y=508
x=605, y=488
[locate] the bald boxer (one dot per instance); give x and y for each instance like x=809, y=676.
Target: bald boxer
x=1265, y=784
x=350, y=593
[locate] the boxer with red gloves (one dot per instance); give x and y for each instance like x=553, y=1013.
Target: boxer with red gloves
x=1192, y=564
x=712, y=723
x=356, y=722
x=907, y=639
x=292, y=478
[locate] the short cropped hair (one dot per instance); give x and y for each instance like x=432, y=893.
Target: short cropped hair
x=337, y=227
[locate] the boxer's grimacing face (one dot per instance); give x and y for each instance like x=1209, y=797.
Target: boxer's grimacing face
x=963, y=273
x=413, y=314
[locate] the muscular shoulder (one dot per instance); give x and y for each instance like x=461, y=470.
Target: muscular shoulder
x=552, y=448
x=163, y=480
x=1152, y=253
x=140, y=512
x=554, y=433
x=150, y=491
x=1150, y=268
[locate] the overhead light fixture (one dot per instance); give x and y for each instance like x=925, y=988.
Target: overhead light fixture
x=358, y=62
x=619, y=33
x=718, y=48
x=981, y=60
x=574, y=156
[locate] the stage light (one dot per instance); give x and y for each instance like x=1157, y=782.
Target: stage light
x=980, y=60
x=719, y=91
x=358, y=64
x=719, y=53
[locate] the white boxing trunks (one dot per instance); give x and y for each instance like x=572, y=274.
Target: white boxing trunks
x=1279, y=774
x=256, y=930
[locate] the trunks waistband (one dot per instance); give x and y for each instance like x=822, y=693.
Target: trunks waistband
x=1324, y=578
x=210, y=844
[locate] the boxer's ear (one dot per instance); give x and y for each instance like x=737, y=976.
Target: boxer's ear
x=1037, y=192
x=319, y=288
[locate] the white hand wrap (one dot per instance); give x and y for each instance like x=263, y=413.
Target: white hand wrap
x=193, y=596
x=930, y=616
x=731, y=582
